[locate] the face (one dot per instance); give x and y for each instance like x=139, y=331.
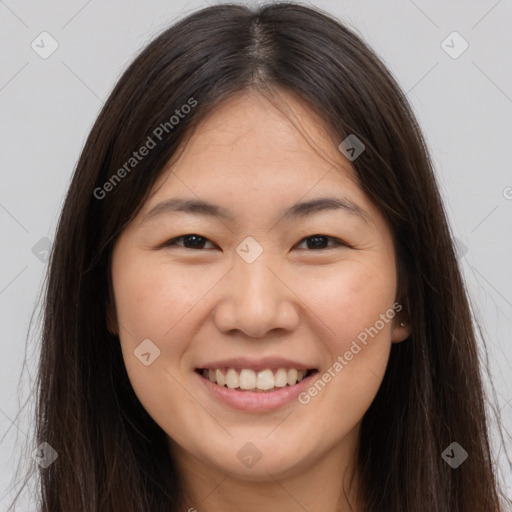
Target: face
x=292, y=308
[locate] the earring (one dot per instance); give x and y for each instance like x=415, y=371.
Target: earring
x=402, y=324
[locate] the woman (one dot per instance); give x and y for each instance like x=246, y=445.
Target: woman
x=253, y=300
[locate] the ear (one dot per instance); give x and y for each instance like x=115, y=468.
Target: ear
x=401, y=329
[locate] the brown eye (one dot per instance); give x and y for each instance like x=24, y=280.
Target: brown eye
x=319, y=242
x=191, y=241
x=197, y=242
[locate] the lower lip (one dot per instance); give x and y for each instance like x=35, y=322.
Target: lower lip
x=256, y=401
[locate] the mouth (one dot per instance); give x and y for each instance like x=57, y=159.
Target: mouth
x=255, y=391
x=246, y=380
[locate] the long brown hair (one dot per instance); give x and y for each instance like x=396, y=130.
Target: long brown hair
x=112, y=455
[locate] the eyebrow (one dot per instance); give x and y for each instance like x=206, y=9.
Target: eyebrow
x=300, y=209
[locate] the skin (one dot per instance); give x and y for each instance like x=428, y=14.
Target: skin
x=295, y=300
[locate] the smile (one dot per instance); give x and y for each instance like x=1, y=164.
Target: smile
x=246, y=379
x=255, y=391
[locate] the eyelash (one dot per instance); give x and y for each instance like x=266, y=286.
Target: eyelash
x=337, y=242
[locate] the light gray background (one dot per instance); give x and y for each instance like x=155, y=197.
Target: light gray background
x=47, y=107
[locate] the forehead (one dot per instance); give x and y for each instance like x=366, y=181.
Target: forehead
x=284, y=124
x=247, y=145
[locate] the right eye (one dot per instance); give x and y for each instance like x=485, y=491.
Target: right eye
x=190, y=241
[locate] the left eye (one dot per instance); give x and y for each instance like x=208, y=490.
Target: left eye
x=318, y=241
x=193, y=241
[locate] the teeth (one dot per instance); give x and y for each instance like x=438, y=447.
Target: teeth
x=281, y=378
x=248, y=379
x=232, y=379
x=265, y=380
x=292, y=377
x=221, y=379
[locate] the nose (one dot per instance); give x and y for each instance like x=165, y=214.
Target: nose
x=256, y=300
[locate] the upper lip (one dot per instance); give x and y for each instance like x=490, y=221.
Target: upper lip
x=256, y=364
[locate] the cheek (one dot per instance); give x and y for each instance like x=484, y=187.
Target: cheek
x=147, y=308
x=154, y=303
x=356, y=311
x=350, y=300
x=151, y=298
x=159, y=302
